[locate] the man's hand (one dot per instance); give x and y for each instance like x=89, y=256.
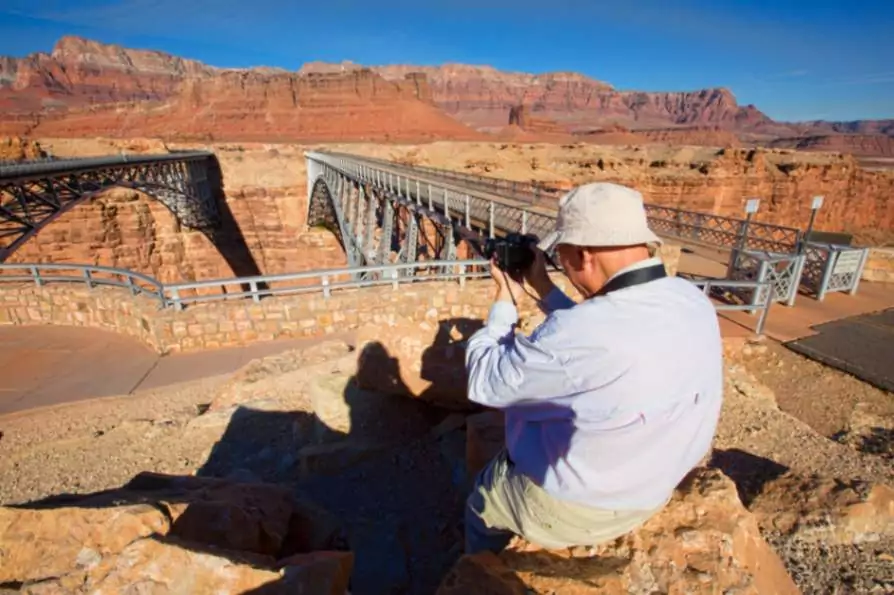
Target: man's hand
x=508, y=289
x=537, y=276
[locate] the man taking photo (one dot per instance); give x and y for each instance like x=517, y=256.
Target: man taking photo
x=609, y=403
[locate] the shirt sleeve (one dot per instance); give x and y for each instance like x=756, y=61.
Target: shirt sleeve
x=505, y=368
x=556, y=300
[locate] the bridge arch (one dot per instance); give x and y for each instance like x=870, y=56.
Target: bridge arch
x=188, y=184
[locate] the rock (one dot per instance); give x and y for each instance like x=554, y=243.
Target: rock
x=158, y=533
x=234, y=516
x=323, y=573
x=825, y=510
x=152, y=566
x=312, y=528
x=704, y=541
x=485, y=437
x=36, y=544
x=869, y=432
x=424, y=360
x=289, y=361
x=879, y=266
x=482, y=573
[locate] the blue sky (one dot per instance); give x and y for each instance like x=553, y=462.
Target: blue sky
x=794, y=59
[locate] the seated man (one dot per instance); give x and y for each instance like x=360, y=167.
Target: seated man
x=610, y=402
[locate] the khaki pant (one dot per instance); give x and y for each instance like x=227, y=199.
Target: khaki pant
x=504, y=503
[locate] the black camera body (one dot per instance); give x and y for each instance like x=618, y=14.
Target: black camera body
x=514, y=253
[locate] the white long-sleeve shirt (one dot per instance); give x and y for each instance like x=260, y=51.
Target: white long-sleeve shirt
x=610, y=402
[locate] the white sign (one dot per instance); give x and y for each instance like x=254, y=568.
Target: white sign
x=752, y=205
x=847, y=262
x=817, y=203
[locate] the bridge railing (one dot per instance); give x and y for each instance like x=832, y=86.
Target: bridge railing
x=704, y=228
x=55, y=167
x=179, y=295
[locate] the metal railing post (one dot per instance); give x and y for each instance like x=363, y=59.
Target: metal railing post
x=36, y=274
x=765, y=312
x=88, y=278
x=490, y=216
x=468, y=214
x=394, y=279
x=255, y=296
x=175, y=298
x=430, y=205
x=325, y=283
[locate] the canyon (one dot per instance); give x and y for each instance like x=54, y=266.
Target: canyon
x=84, y=87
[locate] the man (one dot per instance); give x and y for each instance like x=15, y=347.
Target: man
x=610, y=402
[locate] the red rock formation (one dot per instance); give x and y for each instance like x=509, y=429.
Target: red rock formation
x=855, y=144
x=482, y=97
x=520, y=115
x=17, y=149
x=252, y=106
x=85, y=87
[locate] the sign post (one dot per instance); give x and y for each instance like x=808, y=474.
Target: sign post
x=814, y=207
x=751, y=207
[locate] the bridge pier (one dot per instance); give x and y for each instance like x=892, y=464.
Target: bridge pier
x=380, y=217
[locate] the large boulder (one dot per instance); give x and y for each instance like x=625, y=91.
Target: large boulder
x=703, y=541
x=826, y=510
x=163, y=534
x=154, y=566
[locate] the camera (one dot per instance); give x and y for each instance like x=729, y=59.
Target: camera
x=514, y=252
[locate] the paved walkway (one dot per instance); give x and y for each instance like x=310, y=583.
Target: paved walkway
x=48, y=365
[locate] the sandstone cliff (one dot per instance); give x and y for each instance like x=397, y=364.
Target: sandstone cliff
x=856, y=144
x=85, y=88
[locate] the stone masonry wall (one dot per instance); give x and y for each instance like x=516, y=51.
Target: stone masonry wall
x=879, y=266
x=232, y=323
x=239, y=322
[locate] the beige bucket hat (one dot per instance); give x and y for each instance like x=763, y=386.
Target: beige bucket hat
x=601, y=214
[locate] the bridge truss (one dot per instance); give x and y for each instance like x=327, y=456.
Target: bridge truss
x=33, y=194
x=384, y=213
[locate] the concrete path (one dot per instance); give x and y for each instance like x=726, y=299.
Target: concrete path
x=48, y=365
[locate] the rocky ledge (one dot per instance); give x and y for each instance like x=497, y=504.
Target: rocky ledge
x=289, y=477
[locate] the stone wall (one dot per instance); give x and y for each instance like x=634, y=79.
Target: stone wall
x=879, y=266
x=239, y=322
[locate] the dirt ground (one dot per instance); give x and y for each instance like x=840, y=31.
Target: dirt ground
x=820, y=396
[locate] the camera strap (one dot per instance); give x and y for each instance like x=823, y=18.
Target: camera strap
x=631, y=278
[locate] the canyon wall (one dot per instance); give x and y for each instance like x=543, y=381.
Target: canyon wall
x=120, y=228
x=702, y=179
x=87, y=89
x=482, y=97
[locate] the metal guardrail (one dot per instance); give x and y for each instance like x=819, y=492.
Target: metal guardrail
x=322, y=282
x=92, y=276
x=705, y=228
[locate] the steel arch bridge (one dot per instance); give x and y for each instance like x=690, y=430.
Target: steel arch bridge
x=386, y=213
x=33, y=194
